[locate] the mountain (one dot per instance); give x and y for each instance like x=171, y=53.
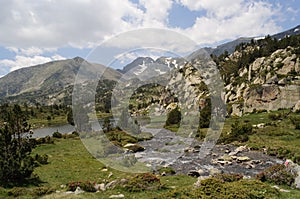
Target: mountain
x=291, y=32
x=144, y=68
x=256, y=75
x=262, y=75
x=48, y=83
x=230, y=46
x=137, y=62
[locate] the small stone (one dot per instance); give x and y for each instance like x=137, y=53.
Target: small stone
x=63, y=186
x=276, y=187
x=117, y=196
x=225, y=158
x=78, y=191
x=104, y=170
x=243, y=159
x=111, y=184
x=284, y=190
x=201, y=172
x=109, y=175
x=100, y=187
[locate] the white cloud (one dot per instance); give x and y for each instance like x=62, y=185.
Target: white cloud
x=31, y=51
x=31, y=28
x=156, y=12
x=35, y=25
x=223, y=22
x=45, y=24
x=24, y=61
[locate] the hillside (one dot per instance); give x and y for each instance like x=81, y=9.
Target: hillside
x=47, y=83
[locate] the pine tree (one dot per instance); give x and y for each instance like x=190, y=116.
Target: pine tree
x=16, y=164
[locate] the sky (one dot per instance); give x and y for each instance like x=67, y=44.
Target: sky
x=35, y=32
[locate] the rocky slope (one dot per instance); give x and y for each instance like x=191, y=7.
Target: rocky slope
x=269, y=82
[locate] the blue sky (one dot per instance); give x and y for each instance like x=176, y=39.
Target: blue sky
x=35, y=32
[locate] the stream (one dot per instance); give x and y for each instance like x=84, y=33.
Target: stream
x=167, y=149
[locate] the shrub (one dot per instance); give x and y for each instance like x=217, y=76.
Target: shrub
x=239, y=132
x=296, y=121
x=23, y=191
x=142, y=182
x=57, y=135
x=213, y=188
x=84, y=185
x=205, y=115
x=174, y=117
x=41, y=159
x=167, y=170
x=275, y=116
x=226, y=177
x=278, y=174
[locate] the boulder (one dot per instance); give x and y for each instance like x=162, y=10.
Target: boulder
x=134, y=147
x=258, y=63
x=272, y=80
x=289, y=65
x=296, y=169
x=238, y=150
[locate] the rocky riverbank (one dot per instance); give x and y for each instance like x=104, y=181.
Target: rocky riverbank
x=167, y=149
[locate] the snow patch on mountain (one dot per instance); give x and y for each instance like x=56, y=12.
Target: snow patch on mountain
x=142, y=68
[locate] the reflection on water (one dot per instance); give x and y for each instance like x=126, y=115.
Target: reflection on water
x=43, y=132
x=67, y=128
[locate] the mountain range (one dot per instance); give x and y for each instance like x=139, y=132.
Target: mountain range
x=52, y=82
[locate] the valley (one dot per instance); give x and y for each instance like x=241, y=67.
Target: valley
x=160, y=116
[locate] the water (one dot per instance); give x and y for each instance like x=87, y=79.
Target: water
x=43, y=132
x=66, y=128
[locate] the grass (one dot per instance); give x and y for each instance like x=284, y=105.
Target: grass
x=70, y=161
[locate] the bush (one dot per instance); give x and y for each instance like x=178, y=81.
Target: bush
x=84, y=185
x=296, y=121
x=205, y=115
x=239, y=132
x=213, y=188
x=57, y=135
x=226, y=177
x=278, y=174
x=41, y=159
x=167, y=170
x=174, y=117
x=25, y=191
x=275, y=116
x=142, y=182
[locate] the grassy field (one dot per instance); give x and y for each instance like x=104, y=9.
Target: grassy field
x=70, y=161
